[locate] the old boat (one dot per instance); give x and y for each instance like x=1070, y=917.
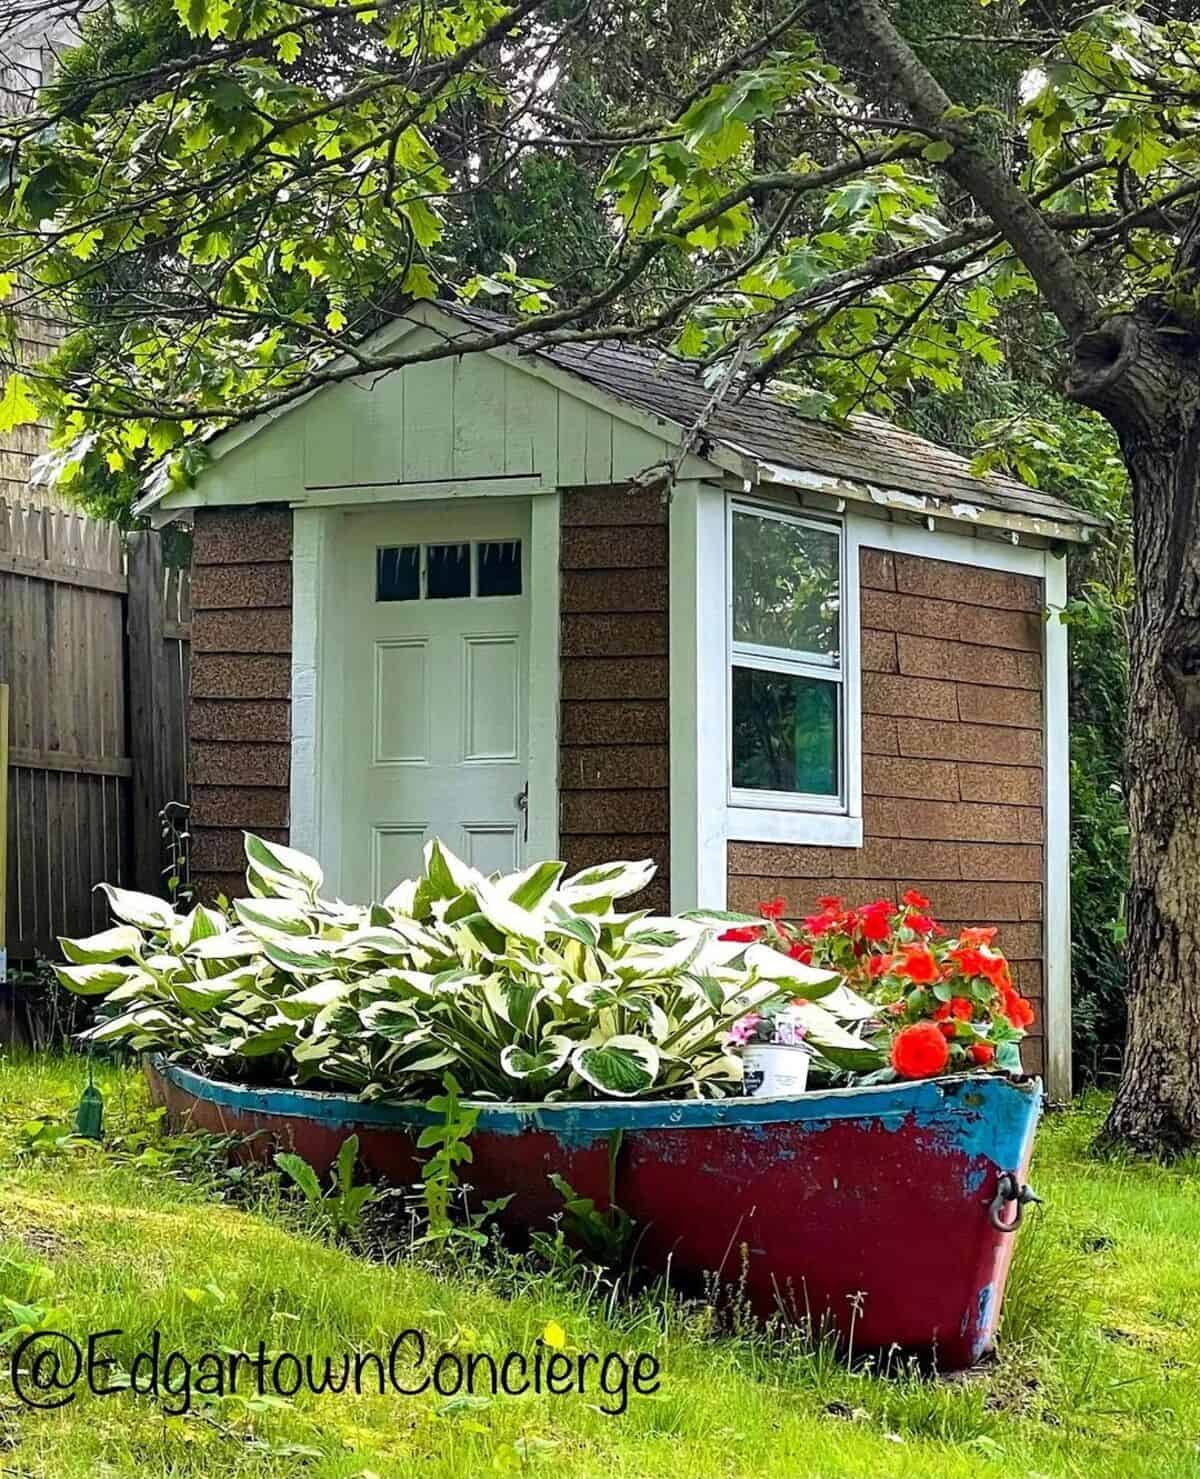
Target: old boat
x=885, y=1213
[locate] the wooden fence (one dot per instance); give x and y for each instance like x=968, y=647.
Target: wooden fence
x=94, y=640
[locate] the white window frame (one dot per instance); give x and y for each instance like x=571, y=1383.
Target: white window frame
x=794, y=817
x=788, y=662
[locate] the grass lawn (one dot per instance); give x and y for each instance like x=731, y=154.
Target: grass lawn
x=1099, y=1373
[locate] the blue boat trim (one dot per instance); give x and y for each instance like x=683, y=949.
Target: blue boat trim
x=981, y=1115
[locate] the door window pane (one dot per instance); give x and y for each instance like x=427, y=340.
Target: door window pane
x=398, y=573
x=786, y=586
x=498, y=568
x=785, y=733
x=448, y=571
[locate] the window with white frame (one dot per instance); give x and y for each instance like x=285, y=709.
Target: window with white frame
x=787, y=651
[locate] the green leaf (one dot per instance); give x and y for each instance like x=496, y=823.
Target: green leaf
x=17, y=407
x=550, y=1058
x=117, y=943
x=622, y=1066
x=95, y=980
x=284, y=865
x=301, y=1173
x=288, y=47
x=143, y=910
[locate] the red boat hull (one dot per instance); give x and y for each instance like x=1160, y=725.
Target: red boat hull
x=873, y=1211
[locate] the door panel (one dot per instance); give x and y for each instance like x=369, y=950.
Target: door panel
x=492, y=699
x=401, y=703
x=436, y=687
x=492, y=849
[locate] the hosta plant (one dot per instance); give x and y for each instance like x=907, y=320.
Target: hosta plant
x=528, y=986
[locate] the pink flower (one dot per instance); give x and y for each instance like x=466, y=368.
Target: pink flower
x=743, y=1029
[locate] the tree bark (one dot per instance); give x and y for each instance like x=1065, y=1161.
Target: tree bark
x=1147, y=383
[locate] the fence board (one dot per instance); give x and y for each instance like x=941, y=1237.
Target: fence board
x=69, y=594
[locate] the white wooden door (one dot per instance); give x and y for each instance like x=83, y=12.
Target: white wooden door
x=436, y=689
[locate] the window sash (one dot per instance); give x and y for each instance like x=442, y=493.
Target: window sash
x=788, y=662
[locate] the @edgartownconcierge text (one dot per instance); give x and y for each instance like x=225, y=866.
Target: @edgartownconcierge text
x=49, y=1369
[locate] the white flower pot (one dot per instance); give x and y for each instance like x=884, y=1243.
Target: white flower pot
x=771, y=1068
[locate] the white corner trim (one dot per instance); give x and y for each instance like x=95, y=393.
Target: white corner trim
x=698, y=684
x=1057, y=931
x=545, y=517
x=308, y=541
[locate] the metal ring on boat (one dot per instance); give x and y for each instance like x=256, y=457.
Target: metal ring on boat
x=1010, y=1189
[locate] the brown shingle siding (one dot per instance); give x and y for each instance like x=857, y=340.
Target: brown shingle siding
x=947, y=580
x=268, y=629
x=962, y=662
x=222, y=587
x=241, y=675
x=613, y=723
x=239, y=721
x=613, y=548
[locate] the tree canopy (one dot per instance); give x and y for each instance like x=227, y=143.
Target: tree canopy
x=218, y=199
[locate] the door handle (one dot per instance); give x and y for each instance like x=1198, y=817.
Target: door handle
x=522, y=804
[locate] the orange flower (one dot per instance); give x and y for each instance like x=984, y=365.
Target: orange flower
x=918, y=964
x=978, y=936
x=920, y=1051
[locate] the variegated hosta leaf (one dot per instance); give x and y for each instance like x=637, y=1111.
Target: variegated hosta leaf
x=532, y=886
x=606, y=882
x=274, y=917
x=390, y=1019
x=95, y=980
x=403, y=897
x=142, y=910
x=232, y=945
x=550, y=1058
x=285, y=870
x=121, y=942
x=774, y=966
x=304, y=957
x=307, y=1003
x=623, y=1066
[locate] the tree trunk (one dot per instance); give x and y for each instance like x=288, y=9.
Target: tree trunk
x=1151, y=393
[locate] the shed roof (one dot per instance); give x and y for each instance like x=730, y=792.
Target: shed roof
x=768, y=429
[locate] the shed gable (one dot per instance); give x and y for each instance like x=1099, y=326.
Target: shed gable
x=446, y=421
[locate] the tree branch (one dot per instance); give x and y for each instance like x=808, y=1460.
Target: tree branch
x=1067, y=292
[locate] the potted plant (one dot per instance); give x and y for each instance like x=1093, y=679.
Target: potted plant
x=775, y=1054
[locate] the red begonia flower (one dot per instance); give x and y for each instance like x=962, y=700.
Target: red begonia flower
x=772, y=908
x=920, y=1051
x=743, y=933
x=918, y=964
x=914, y=900
x=982, y=1052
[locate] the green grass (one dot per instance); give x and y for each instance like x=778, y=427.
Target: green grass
x=1098, y=1374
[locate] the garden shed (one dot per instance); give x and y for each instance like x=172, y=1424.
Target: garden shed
x=455, y=600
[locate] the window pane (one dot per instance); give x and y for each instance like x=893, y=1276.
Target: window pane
x=398, y=573
x=786, y=580
x=448, y=571
x=785, y=733
x=498, y=568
